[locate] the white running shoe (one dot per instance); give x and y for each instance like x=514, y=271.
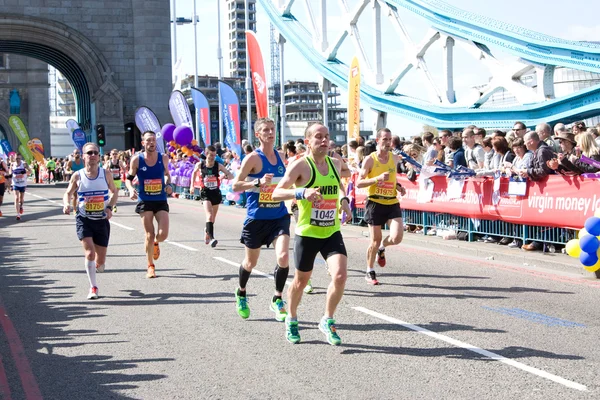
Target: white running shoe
x=93, y=295
x=100, y=268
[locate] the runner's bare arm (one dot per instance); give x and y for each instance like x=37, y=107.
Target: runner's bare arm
x=69, y=193
x=344, y=171
x=193, y=177
x=248, y=166
x=133, y=168
x=168, y=188
x=114, y=192
x=293, y=176
x=225, y=171
x=362, y=180
x=344, y=201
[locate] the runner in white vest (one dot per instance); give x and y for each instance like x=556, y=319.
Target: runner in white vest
x=19, y=171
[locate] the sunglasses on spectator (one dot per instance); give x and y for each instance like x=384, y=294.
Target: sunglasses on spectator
x=92, y=153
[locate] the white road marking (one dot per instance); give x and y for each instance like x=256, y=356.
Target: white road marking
x=183, y=246
x=44, y=198
x=120, y=225
x=254, y=271
x=485, y=353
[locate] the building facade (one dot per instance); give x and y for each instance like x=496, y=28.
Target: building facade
x=238, y=59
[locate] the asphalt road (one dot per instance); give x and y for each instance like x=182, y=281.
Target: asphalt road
x=444, y=324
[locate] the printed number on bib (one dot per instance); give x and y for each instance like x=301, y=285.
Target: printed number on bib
x=210, y=182
x=20, y=178
x=265, y=197
x=94, y=205
x=153, y=186
x=323, y=213
x=386, y=189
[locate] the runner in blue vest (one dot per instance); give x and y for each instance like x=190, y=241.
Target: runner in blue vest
x=267, y=221
x=151, y=168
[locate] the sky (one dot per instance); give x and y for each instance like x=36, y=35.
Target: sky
x=577, y=21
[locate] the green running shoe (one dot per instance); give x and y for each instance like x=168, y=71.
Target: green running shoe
x=291, y=332
x=308, y=288
x=278, y=307
x=327, y=326
x=241, y=302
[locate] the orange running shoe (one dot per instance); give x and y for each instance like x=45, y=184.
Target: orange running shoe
x=151, y=273
x=156, y=251
x=0, y=213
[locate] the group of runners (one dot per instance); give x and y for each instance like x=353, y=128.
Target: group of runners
x=313, y=181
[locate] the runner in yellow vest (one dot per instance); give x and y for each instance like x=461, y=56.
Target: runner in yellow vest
x=321, y=196
x=378, y=173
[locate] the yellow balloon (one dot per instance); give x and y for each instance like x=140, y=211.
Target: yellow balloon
x=593, y=268
x=582, y=233
x=572, y=248
x=597, y=213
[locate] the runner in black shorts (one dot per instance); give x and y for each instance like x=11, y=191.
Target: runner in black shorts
x=210, y=192
x=151, y=168
x=267, y=220
x=378, y=174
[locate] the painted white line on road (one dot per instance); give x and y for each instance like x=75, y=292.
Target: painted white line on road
x=44, y=198
x=485, y=353
x=120, y=225
x=183, y=246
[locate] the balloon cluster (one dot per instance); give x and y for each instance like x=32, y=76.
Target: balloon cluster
x=181, y=137
x=587, y=246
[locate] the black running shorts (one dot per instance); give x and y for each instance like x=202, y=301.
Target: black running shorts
x=380, y=214
x=306, y=249
x=97, y=229
x=259, y=232
x=214, y=196
x=2, y=189
x=154, y=206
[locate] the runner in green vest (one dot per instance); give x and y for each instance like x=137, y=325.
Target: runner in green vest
x=320, y=196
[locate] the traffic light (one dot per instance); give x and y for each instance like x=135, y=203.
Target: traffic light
x=100, y=135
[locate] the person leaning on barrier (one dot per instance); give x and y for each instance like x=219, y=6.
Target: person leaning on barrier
x=542, y=153
x=571, y=164
x=567, y=145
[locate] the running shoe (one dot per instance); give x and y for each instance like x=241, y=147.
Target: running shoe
x=156, y=251
x=381, y=256
x=213, y=243
x=100, y=268
x=206, y=237
x=278, y=307
x=327, y=326
x=115, y=209
x=18, y=217
x=93, y=295
x=0, y=213
x=372, y=278
x=308, y=288
x=21, y=210
x=151, y=273
x=241, y=303
x=291, y=332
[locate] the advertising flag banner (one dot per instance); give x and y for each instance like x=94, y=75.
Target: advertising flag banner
x=257, y=68
x=146, y=120
x=180, y=111
x=72, y=125
x=203, y=111
x=21, y=132
x=4, y=143
x=354, y=100
x=79, y=138
x=36, y=148
x=231, y=117
x=27, y=156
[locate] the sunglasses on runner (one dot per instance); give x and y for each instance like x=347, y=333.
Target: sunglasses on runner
x=92, y=153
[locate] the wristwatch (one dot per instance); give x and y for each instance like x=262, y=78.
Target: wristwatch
x=257, y=182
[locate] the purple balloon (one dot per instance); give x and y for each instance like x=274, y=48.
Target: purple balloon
x=183, y=135
x=167, y=132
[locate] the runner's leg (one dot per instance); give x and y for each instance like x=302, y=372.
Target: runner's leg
x=375, y=233
x=295, y=292
x=90, y=260
x=250, y=261
x=148, y=223
x=100, y=257
x=162, y=217
x=282, y=252
x=396, y=232
x=338, y=265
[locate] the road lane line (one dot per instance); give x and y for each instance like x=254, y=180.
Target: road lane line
x=4, y=387
x=44, y=198
x=183, y=246
x=254, y=271
x=474, y=349
x=28, y=382
x=120, y=225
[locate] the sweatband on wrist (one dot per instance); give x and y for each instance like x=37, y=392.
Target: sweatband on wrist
x=130, y=177
x=300, y=193
x=345, y=198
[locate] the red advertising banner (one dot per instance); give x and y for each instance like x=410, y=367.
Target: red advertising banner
x=558, y=201
x=258, y=75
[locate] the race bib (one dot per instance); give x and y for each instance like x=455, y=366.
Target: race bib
x=115, y=173
x=323, y=213
x=210, y=182
x=265, y=197
x=94, y=206
x=385, y=189
x=20, y=178
x=153, y=187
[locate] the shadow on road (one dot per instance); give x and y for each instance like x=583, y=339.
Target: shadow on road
x=42, y=326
